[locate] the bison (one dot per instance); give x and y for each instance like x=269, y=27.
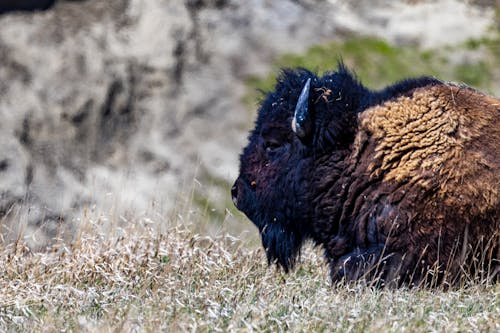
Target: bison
x=399, y=185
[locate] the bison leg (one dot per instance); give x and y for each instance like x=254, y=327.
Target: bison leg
x=356, y=264
x=370, y=264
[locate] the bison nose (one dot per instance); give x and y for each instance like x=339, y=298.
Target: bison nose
x=238, y=191
x=234, y=193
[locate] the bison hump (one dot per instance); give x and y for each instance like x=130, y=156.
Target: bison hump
x=442, y=138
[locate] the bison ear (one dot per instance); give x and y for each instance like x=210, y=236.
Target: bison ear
x=302, y=123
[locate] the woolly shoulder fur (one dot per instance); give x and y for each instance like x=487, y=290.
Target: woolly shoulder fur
x=443, y=136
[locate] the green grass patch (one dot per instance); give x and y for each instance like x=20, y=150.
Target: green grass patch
x=378, y=63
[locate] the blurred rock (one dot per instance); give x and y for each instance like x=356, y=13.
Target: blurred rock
x=115, y=106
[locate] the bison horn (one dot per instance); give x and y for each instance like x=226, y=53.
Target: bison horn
x=301, y=121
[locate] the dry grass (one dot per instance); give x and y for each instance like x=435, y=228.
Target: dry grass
x=137, y=279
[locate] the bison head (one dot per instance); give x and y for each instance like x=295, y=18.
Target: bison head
x=304, y=120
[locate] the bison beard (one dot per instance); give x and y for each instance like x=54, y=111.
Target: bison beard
x=282, y=246
x=399, y=185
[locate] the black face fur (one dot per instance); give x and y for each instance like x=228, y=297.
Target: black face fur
x=274, y=185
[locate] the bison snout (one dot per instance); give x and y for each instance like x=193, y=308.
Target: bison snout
x=236, y=191
x=234, y=194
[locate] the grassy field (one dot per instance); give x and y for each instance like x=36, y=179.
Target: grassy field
x=137, y=279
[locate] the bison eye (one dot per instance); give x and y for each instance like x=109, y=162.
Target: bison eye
x=271, y=146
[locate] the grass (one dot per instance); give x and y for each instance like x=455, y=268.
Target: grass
x=137, y=279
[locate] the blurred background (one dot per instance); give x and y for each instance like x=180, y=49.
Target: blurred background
x=115, y=111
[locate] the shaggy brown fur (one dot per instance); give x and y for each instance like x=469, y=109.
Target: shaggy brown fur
x=434, y=154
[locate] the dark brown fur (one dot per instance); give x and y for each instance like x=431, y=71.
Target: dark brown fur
x=428, y=164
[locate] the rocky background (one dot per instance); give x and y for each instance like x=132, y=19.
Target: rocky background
x=134, y=108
